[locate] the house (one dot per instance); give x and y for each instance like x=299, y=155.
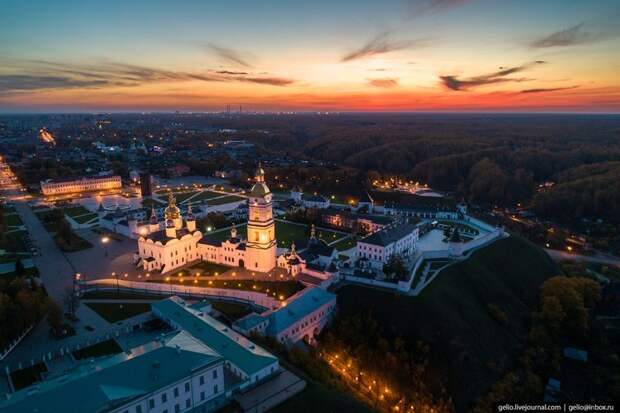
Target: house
x=302, y=318
x=397, y=239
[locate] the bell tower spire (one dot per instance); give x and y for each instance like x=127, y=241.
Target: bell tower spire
x=261, y=244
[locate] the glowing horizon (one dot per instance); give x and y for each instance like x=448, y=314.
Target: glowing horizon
x=405, y=55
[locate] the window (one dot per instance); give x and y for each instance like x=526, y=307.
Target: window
x=202, y=380
x=164, y=397
x=187, y=386
x=138, y=409
x=202, y=395
x=151, y=403
x=215, y=388
x=176, y=392
x=177, y=408
x=188, y=403
x=215, y=374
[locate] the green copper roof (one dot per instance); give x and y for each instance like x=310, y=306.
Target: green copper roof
x=234, y=347
x=114, y=381
x=260, y=189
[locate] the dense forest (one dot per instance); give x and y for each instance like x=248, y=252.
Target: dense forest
x=489, y=159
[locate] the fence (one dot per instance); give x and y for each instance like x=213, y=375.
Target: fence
x=75, y=343
x=15, y=342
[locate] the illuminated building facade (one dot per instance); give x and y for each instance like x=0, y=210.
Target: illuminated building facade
x=85, y=184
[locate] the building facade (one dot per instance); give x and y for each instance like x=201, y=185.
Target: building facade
x=261, y=247
x=85, y=184
x=176, y=245
x=180, y=243
x=303, y=318
x=398, y=239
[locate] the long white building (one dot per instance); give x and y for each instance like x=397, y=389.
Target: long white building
x=86, y=184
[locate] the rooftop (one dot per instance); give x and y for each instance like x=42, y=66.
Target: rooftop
x=388, y=235
x=411, y=201
x=235, y=348
x=112, y=381
x=305, y=302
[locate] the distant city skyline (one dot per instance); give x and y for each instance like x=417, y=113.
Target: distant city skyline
x=394, y=56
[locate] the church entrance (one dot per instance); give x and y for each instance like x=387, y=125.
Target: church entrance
x=241, y=264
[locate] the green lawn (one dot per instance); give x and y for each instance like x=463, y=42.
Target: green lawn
x=114, y=312
x=149, y=202
x=286, y=233
x=12, y=220
x=27, y=376
x=103, y=348
x=452, y=314
x=345, y=244
x=182, y=196
x=224, y=200
x=209, y=268
x=13, y=241
x=206, y=195
x=83, y=219
x=272, y=288
x=76, y=211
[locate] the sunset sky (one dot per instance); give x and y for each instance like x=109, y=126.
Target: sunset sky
x=402, y=55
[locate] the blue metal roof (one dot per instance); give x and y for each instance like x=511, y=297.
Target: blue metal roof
x=234, y=347
x=299, y=306
x=113, y=381
x=249, y=321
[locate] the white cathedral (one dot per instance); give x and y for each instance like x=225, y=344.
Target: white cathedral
x=175, y=245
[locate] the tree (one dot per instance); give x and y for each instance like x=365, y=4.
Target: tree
x=54, y=317
x=65, y=233
x=19, y=267
x=71, y=302
x=395, y=268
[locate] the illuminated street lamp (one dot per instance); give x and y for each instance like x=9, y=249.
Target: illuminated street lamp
x=104, y=241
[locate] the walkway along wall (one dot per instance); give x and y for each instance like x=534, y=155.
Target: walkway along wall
x=241, y=296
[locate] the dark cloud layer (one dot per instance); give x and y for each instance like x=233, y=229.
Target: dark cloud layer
x=568, y=37
x=33, y=82
x=384, y=83
x=419, y=8
x=230, y=72
x=380, y=44
x=551, y=89
x=501, y=76
x=40, y=74
x=230, y=55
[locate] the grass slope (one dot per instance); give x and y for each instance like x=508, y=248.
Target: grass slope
x=469, y=348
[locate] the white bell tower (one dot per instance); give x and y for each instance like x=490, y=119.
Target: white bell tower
x=261, y=246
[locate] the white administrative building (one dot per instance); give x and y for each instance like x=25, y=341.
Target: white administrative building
x=77, y=185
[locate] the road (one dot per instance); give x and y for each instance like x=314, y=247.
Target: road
x=560, y=255
x=56, y=274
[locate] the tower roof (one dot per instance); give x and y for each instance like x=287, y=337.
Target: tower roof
x=259, y=175
x=172, y=211
x=260, y=188
x=153, y=215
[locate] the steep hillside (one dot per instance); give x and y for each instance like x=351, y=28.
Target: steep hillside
x=474, y=315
